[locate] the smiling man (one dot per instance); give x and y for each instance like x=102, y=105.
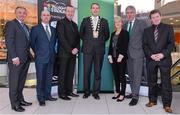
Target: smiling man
x=158, y=42
x=17, y=42
x=94, y=31
x=69, y=41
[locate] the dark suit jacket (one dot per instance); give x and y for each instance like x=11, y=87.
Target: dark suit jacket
x=90, y=44
x=43, y=48
x=17, y=42
x=164, y=44
x=68, y=37
x=122, y=43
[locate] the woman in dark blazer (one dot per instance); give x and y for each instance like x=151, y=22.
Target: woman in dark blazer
x=117, y=57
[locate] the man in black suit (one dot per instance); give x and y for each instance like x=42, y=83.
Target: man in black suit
x=69, y=41
x=158, y=42
x=17, y=42
x=94, y=32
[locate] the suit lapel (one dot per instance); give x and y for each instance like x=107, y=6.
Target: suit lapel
x=52, y=33
x=42, y=28
x=89, y=20
x=134, y=27
x=21, y=28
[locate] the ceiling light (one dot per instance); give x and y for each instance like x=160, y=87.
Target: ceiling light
x=170, y=18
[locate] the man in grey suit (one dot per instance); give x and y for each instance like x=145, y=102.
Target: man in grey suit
x=18, y=47
x=135, y=53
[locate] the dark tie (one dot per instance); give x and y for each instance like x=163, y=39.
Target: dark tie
x=71, y=24
x=48, y=33
x=25, y=30
x=156, y=33
x=130, y=28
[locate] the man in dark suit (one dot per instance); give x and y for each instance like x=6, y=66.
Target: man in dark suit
x=69, y=40
x=43, y=39
x=94, y=32
x=135, y=28
x=17, y=42
x=158, y=42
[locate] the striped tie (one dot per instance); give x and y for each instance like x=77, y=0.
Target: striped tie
x=156, y=33
x=48, y=33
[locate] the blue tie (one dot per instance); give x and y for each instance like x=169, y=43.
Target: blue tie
x=25, y=30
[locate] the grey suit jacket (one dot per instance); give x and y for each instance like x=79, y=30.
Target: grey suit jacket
x=135, y=49
x=17, y=42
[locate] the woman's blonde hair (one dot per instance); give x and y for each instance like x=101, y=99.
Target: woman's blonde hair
x=117, y=18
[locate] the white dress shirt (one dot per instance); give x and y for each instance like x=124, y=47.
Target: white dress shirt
x=44, y=25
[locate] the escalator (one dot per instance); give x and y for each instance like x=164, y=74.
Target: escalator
x=175, y=76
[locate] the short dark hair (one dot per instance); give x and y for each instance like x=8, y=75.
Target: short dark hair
x=95, y=3
x=154, y=12
x=20, y=7
x=69, y=5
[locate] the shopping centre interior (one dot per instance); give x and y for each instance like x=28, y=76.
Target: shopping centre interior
x=170, y=14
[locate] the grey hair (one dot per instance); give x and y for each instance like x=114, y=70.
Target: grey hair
x=130, y=7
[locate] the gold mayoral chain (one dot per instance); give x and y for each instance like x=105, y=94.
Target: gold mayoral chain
x=95, y=30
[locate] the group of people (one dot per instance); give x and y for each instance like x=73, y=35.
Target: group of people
x=129, y=45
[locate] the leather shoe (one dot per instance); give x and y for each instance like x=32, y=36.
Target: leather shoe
x=65, y=98
x=86, y=95
x=150, y=104
x=168, y=109
x=18, y=108
x=133, y=102
x=129, y=96
x=42, y=103
x=96, y=96
x=116, y=97
x=73, y=95
x=51, y=99
x=121, y=98
x=25, y=103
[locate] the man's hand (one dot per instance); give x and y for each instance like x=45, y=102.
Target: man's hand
x=157, y=57
x=110, y=59
x=119, y=59
x=16, y=61
x=74, y=51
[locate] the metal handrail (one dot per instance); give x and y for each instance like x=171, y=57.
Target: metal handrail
x=176, y=63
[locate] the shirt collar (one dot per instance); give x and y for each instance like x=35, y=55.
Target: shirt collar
x=44, y=25
x=97, y=17
x=132, y=20
x=19, y=21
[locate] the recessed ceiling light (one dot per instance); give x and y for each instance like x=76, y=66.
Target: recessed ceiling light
x=171, y=23
x=170, y=18
x=177, y=20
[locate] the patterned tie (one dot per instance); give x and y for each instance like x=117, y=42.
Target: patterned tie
x=48, y=33
x=156, y=33
x=130, y=28
x=25, y=30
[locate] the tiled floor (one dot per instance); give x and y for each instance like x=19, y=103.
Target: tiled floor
x=85, y=106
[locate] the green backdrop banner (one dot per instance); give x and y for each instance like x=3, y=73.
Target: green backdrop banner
x=106, y=11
